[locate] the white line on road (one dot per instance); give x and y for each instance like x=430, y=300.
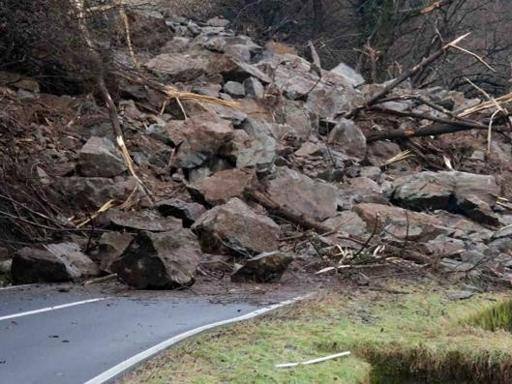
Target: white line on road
x=144, y=355
x=16, y=287
x=54, y=308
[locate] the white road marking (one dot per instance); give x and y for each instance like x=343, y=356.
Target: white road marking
x=16, y=287
x=144, y=355
x=54, y=308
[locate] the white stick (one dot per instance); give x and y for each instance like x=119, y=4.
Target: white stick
x=315, y=361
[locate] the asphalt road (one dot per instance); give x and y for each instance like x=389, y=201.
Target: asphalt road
x=50, y=335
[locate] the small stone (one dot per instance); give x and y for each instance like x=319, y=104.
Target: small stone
x=254, y=88
x=235, y=89
x=100, y=158
x=187, y=212
x=147, y=220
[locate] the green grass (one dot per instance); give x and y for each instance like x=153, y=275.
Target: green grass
x=419, y=335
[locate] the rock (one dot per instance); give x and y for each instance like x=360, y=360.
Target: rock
x=381, y=151
x=92, y=192
x=260, y=152
x=471, y=194
x=222, y=186
x=100, y=158
x=328, y=103
x=181, y=67
x=264, y=268
x=254, y=88
x=350, y=138
x=359, y=190
x=51, y=264
x=110, y=247
x=347, y=222
x=204, y=136
x=298, y=119
x=146, y=220
x=302, y=195
x=350, y=75
x=400, y=222
x=235, y=228
x=445, y=246
x=187, y=212
x=160, y=260
x=239, y=71
x=235, y=89
x=217, y=22
x=310, y=149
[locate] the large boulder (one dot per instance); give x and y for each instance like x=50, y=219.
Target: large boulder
x=164, y=260
x=237, y=229
x=111, y=246
x=468, y=193
x=52, y=263
x=100, y=158
x=264, y=268
x=302, y=195
x=222, y=186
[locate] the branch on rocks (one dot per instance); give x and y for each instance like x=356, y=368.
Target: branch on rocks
x=404, y=76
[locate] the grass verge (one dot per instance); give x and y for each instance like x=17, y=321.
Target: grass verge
x=413, y=337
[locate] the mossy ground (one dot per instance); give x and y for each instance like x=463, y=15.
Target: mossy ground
x=418, y=335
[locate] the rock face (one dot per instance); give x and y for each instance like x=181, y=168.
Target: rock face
x=235, y=228
x=471, y=194
x=222, y=186
x=100, y=158
x=53, y=263
x=164, y=260
x=303, y=195
x=264, y=268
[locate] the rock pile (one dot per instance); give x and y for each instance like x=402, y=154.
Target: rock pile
x=244, y=180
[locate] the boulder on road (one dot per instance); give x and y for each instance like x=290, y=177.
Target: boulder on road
x=164, y=260
x=264, y=268
x=302, y=195
x=52, y=263
x=235, y=228
x=100, y=158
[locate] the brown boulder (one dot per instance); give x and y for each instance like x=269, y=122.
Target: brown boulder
x=235, y=228
x=164, y=260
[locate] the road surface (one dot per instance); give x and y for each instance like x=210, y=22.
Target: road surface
x=55, y=335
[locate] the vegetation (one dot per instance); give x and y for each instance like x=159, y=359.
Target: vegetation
x=416, y=333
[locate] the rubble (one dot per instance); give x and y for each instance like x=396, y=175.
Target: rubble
x=217, y=118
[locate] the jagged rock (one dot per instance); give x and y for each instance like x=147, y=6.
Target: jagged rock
x=350, y=138
x=400, y=223
x=452, y=191
x=240, y=71
x=235, y=89
x=350, y=75
x=92, y=192
x=445, y=246
x=187, y=212
x=264, y=268
x=302, y=195
x=160, y=260
x=381, y=151
x=51, y=263
x=298, y=119
x=111, y=246
x=217, y=22
x=147, y=220
x=204, y=136
x=254, y=88
x=310, y=149
x=100, y=158
x=235, y=228
x=222, y=186
x=260, y=152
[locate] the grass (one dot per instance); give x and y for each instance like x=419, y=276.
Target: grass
x=420, y=335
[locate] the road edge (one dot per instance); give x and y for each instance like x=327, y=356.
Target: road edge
x=114, y=372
